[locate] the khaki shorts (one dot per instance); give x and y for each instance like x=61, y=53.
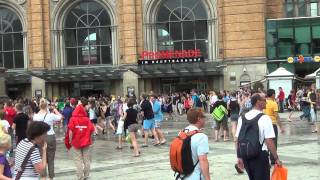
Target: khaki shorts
x=133, y=128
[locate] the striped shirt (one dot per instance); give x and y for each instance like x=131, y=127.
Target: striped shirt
x=21, y=152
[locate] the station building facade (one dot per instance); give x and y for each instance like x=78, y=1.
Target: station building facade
x=57, y=48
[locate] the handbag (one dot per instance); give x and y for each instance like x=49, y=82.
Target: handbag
x=24, y=163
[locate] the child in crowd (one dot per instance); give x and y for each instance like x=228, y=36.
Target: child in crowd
x=5, y=145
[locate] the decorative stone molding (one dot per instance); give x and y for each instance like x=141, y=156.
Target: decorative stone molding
x=21, y=2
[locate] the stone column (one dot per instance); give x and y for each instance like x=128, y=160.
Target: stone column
x=130, y=81
x=38, y=85
x=3, y=89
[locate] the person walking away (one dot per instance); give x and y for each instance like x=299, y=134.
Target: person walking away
x=187, y=103
x=78, y=139
x=305, y=106
x=291, y=104
x=271, y=110
x=223, y=122
x=203, y=100
x=196, y=103
x=234, y=109
x=93, y=114
x=261, y=133
x=67, y=113
x=130, y=117
x=28, y=150
x=180, y=104
x=148, y=122
x=5, y=145
x=20, y=123
x=158, y=117
x=10, y=113
x=4, y=125
x=281, y=98
x=313, y=109
x=199, y=145
x=50, y=118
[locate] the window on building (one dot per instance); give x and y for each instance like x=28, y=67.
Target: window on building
x=87, y=35
x=301, y=8
x=182, y=25
x=293, y=37
x=11, y=40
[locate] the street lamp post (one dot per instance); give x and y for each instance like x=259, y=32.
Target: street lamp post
x=318, y=80
x=3, y=89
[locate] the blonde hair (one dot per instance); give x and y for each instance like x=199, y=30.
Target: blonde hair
x=5, y=139
x=43, y=103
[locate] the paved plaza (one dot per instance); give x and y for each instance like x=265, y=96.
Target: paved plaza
x=298, y=149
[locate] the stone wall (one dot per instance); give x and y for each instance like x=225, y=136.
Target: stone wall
x=38, y=21
x=274, y=9
x=241, y=28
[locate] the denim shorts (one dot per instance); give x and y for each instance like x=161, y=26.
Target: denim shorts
x=148, y=124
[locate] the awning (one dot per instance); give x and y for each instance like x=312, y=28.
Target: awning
x=313, y=75
x=79, y=74
x=178, y=70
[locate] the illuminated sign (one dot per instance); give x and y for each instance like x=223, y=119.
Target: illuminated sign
x=171, y=57
x=301, y=59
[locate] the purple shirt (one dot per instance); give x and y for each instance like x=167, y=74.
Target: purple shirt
x=6, y=170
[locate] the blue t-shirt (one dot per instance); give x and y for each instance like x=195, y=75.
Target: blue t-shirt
x=199, y=146
x=158, y=116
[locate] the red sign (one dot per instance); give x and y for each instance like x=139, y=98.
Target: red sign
x=149, y=55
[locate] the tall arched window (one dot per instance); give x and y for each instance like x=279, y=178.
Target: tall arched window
x=11, y=40
x=182, y=25
x=87, y=35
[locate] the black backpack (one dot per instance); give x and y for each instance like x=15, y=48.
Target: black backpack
x=249, y=145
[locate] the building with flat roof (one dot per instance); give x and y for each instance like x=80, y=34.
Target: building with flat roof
x=57, y=48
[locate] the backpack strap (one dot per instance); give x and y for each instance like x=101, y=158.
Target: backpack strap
x=24, y=163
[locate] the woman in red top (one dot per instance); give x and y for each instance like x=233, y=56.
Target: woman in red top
x=187, y=103
x=80, y=129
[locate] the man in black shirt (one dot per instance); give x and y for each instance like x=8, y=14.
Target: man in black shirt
x=20, y=123
x=148, y=122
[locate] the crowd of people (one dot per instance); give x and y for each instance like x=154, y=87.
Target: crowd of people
x=28, y=126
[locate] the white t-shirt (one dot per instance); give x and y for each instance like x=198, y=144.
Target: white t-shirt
x=50, y=119
x=199, y=146
x=5, y=124
x=265, y=126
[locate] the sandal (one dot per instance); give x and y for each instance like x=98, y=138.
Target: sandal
x=144, y=145
x=156, y=144
x=315, y=131
x=163, y=142
x=137, y=155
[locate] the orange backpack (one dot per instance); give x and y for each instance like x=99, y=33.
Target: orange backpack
x=181, y=154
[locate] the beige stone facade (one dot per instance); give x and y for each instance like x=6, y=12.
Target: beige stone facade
x=238, y=37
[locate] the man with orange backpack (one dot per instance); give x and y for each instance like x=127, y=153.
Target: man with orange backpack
x=188, y=151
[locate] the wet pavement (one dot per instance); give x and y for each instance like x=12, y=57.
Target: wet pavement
x=299, y=149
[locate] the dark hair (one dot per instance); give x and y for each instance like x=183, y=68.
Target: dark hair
x=255, y=98
x=9, y=102
x=270, y=92
x=130, y=103
x=220, y=96
x=144, y=96
x=36, y=129
x=84, y=101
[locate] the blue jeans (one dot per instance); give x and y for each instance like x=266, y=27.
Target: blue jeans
x=306, y=112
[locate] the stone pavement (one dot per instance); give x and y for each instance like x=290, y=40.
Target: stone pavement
x=298, y=149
